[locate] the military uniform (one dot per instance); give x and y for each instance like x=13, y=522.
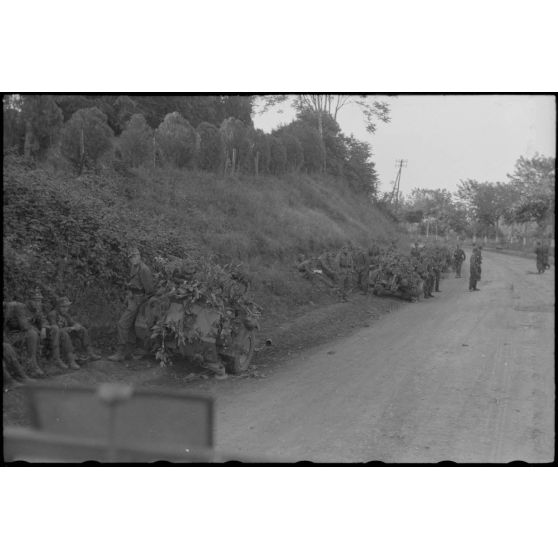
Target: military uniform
x=345, y=268
x=458, y=259
x=29, y=322
x=362, y=267
x=140, y=287
x=12, y=370
x=539, y=251
x=474, y=271
x=70, y=331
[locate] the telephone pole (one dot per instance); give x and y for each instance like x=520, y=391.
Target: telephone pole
x=394, y=198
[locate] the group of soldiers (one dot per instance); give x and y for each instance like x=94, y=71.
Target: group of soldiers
x=56, y=332
x=387, y=271
x=59, y=333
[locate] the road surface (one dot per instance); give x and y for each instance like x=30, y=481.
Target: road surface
x=466, y=376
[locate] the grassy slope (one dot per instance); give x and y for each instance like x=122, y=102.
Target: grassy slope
x=265, y=222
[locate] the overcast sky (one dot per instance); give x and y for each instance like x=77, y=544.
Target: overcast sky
x=447, y=138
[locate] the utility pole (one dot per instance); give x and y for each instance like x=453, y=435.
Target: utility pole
x=394, y=198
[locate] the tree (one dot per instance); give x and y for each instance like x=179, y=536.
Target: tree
x=293, y=151
x=233, y=134
x=372, y=110
x=262, y=154
x=176, y=140
x=136, y=141
x=13, y=124
x=533, y=182
x=43, y=120
x=359, y=168
x=85, y=137
x=436, y=208
x=210, y=152
x=309, y=139
x=278, y=159
x=487, y=202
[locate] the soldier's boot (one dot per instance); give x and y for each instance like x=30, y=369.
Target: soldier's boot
x=57, y=361
x=34, y=369
x=72, y=360
x=92, y=354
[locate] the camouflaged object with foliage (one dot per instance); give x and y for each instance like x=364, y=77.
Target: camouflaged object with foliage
x=201, y=283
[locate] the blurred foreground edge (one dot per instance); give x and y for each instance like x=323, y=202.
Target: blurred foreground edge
x=115, y=423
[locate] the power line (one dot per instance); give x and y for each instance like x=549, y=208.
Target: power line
x=394, y=198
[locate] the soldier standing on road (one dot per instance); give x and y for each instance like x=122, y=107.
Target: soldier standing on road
x=140, y=287
x=474, y=270
x=545, y=253
x=539, y=251
x=70, y=330
x=458, y=259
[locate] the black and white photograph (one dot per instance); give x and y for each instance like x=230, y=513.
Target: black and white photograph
x=279, y=278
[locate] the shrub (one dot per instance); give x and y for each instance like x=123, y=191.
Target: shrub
x=261, y=151
x=86, y=137
x=278, y=160
x=176, y=139
x=136, y=141
x=294, y=152
x=210, y=153
x=43, y=120
x=233, y=133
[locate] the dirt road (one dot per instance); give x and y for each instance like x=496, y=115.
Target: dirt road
x=467, y=377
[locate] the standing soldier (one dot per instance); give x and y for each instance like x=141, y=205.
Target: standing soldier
x=474, y=270
x=437, y=266
x=140, y=287
x=545, y=251
x=362, y=267
x=458, y=259
x=539, y=251
x=345, y=268
x=70, y=330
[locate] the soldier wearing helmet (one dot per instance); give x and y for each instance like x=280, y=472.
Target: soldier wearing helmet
x=70, y=332
x=140, y=287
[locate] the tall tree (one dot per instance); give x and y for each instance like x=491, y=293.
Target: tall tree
x=85, y=137
x=487, y=202
x=43, y=121
x=533, y=182
x=372, y=110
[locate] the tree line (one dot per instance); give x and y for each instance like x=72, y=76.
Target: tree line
x=487, y=208
x=210, y=133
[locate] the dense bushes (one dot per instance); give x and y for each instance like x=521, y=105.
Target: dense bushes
x=176, y=140
x=85, y=137
x=136, y=142
x=210, y=153
x=68, y=235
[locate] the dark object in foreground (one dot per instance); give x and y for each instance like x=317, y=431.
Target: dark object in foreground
x=113, y=423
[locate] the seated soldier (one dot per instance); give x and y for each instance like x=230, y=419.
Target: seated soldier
x=70, y=330
x=28, y=320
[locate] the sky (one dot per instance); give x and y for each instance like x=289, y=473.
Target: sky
x=448, y=138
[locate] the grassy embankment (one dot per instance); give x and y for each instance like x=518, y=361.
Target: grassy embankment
x=67, y=234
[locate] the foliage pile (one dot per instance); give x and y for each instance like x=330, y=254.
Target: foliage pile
x=205, y=283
